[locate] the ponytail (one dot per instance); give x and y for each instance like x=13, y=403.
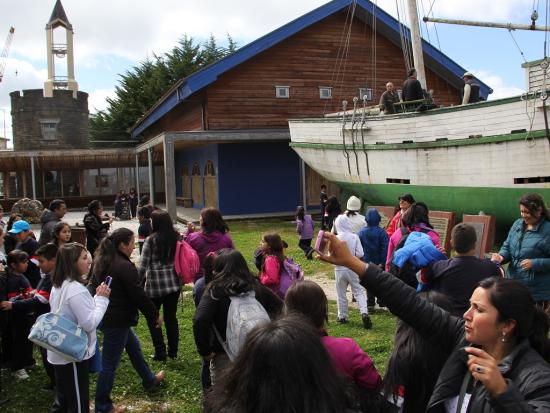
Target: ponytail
x=539, y=333
x=107, y=250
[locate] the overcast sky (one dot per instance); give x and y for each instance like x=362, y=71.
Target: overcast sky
x=113, y=36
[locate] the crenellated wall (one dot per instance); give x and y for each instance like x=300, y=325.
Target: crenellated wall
x=59, y=122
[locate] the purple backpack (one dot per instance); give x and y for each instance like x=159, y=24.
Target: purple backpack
x=290, y=273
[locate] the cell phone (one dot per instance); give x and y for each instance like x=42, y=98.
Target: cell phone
x=321, y=244
x=108, y=281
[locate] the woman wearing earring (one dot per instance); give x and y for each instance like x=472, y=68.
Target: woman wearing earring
x=498, y=353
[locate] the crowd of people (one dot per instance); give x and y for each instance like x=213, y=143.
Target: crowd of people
x=472, y=333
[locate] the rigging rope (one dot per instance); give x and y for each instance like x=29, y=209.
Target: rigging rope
x=339, y=58
x=374, y=41
x=517, y=45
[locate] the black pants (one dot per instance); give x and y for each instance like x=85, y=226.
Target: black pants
x=21, y=345
x=66, y=393
x=170, y=304
x=305, y=245
x=47, y=365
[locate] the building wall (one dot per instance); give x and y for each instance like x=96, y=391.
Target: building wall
x=31, y=111
x=258, y=178
x=187, y=116
x=187, y=158
x=244, y=97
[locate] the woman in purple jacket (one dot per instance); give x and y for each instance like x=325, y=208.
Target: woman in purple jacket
x=349, y=360
x=304, y=227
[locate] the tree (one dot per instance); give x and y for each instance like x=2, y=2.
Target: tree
x=140, y=87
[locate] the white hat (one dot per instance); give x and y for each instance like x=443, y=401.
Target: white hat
x=468, y=74
x=354, y=204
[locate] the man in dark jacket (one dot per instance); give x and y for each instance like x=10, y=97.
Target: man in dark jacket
x=51, y=216
x=471, y=89
x=458, y=277
x=412, y=89
x=388, y=99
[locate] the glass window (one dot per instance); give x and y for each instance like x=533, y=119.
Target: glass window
x=2, y=191
x=126, y=178
x=325, y=92
x=37, y=183
x=109, y=181
x=365, y=93
x=143, y=179
x=90, y=180
x=52, y=183
x=15, y=185
x=159, y=178
x=282, y=92
x=71, y=183
x=49, y=129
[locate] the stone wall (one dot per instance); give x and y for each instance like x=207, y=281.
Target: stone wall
x=60, y=122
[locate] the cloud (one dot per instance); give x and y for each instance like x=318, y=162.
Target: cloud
x=500, y=88
x=97, y=100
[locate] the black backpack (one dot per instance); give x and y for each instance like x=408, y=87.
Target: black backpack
x=406, y=273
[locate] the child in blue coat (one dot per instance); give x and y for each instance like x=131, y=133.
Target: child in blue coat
x=375, y=245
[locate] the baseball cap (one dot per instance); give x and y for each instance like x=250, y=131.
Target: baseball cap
x=19, y=226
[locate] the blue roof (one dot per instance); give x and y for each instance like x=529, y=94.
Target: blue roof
x=208, y=75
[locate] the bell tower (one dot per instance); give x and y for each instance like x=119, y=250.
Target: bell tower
x=60, y=51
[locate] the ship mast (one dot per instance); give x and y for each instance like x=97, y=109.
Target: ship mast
x=418, y=57
x=508, y=26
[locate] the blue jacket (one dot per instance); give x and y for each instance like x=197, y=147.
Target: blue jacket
x=373, y=239
x=534, y=245
x=419, y=250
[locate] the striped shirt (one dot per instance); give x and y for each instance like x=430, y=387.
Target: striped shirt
x=160, y=277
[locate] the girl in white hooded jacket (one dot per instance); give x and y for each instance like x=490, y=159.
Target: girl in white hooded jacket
x=71, y=379
x=345, y=277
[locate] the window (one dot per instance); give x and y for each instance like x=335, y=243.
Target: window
x=48, y=128
x=363, y=91
x=397, y=181
x=52, y=184
x=532, y=180
x=282, y=92
x=400, y=94
x=325, y=92
x=71, y=183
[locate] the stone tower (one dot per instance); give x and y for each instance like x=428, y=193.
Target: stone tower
x=59, y=51
x=56, y=117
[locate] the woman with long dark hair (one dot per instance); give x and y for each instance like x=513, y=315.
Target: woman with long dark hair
x=162, y=284
x=282, y=368
x=70, y=295
x=527, y=248
x=96, y=229
x=414, y=364
x=232, y=277
x=499, y=352
x=127, y=297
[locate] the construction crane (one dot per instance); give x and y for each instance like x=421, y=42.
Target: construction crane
x=4, y=56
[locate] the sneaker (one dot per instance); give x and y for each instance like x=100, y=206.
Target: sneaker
x=367, y=323
x=20, y=374
x=342, y=320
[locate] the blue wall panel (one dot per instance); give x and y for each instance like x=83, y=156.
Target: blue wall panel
x=189, y=157
x=257, y=178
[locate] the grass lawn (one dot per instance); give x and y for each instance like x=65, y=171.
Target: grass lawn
x=182, y=390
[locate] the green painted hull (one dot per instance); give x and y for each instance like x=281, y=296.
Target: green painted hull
x=500, y=202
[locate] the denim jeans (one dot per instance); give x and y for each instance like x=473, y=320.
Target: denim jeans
x=115, y=341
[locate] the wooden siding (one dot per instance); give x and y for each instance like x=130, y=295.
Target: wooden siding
x=244, y=97
x=187, y=116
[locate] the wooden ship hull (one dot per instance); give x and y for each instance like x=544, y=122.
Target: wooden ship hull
x=467, y=159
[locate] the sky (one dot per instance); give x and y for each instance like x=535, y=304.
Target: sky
x=113, y=36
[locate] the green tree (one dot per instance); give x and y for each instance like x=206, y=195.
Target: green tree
x=141, y=87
